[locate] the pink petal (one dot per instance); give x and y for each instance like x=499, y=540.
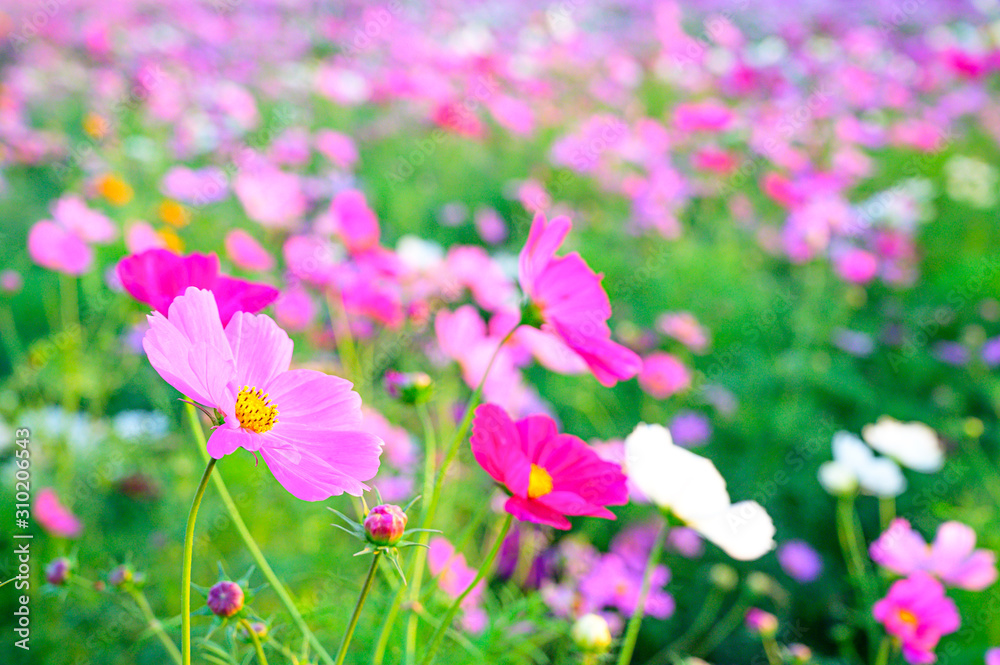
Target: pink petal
x=496, y=446
x=543, y=241
x=157, y=276
x=261, y=349
x=238, y=295
x=310, y=400
x=225, y=440
x=528, y=510
x=55, y=248
x=304, y=473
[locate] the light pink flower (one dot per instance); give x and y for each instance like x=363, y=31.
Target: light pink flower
x=294, y=309
x=453, y=576
x=54, y=517
x=141, y=236
x=305, y=424
x=952, y=556
x=918, y=614
x=244, y=250
x=663, y=375
x=338, y=148
x=53, y=247
x=684, y=327
x=856, y=265
x=571, y=303
x=354, y=221
x=270, y=196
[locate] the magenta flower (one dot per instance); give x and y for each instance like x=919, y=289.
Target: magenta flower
x=550, y=475
x=952, y=556
x=316, y=449
x=157, y=276
x=570, y=302
x=918, y=614
x=55, y=517
x=663, y=375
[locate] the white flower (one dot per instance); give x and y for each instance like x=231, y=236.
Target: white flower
x=914, y=445
x=691, y=488
x=855, y=465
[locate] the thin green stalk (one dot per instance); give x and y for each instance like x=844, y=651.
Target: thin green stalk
x=357, y=609
x=726, y=625
x=258, y=647
x=449, y=616
x=886, y=511
x=850, y=543
x=342, y=331
x=772, y=650
x=431, y=503
x=430, y=453
x=186, y=570
x=884, y=651
x=251, y=544
x=632, y=632
x=701, y=623
x=155, y=625
x=9, y=335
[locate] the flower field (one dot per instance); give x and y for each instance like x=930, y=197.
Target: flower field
x=571, y=333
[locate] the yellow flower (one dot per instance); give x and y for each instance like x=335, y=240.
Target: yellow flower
x=174, y=213
x=174, y=242
x=114, y=189
x=95, y=125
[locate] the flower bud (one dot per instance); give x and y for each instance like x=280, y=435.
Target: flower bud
x=57, y=572
x=591, y=634
x=837, y=479
x=259, y=627
x=760, y=584
x=121, y=575
x=723, y=576
x=11, y=282
x=761, y=623
x=800, y=653
x=384, y=525
x=225, y=598
x=410, y=388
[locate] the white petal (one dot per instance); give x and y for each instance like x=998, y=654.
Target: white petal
x=744, y=531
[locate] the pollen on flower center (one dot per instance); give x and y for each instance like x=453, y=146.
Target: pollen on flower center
x=539, y=482
x=255, y=411
x=907, y=616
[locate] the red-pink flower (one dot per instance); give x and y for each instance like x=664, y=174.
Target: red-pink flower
x=157, y=276
x=571, y=303
x=550, y=475
x=305, y=424
x=55, y=517
x=918, y=614
x=952, y=557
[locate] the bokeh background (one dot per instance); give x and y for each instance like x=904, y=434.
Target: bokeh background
x=816, y=183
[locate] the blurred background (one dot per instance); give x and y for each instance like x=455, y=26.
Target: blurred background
x=794, y=208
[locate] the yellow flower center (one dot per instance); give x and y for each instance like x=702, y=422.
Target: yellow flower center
x=255, y=411
x=906, y=616
x=539, y=482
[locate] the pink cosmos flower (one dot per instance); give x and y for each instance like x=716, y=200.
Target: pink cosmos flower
x=951, y=557
x=270, y=196
x=157, y=276
x=141, y=236
x=55, y=517
x=684, y=327
x=453, y=576
x=305, y=424
x=295, y=308
x=918, y=614
x=663, y=375
x=570, y=302
x=63, y=242
x=856, y=265
x=550, y=475
x=244, y=250
x=354, y=221
x=338, y=148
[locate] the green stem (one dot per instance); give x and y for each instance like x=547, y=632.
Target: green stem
x=449, y=616
x=850, y=543
x=727, y=624
x=884, y=651
x=155, y=625
x=186, y=571
x=430, y=453
x=10, y=337
x=357, y=609
x=886, y=511
x=701, y=623
x=772, y=650
x=342, y=331
x=251, y=544
x=432, y=502
x=632, y=632
x=258, y=647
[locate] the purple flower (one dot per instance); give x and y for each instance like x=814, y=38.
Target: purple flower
x=799, y=560
x=951, y=353
x=991, y=352
x=690, y=428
